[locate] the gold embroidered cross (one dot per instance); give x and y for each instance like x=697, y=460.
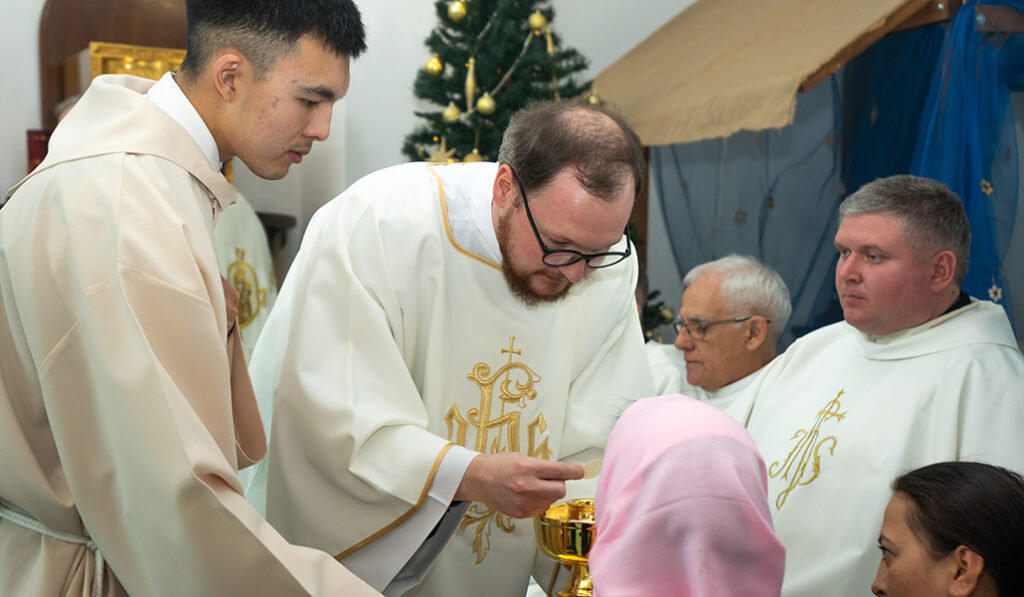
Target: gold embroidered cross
x=510, y=351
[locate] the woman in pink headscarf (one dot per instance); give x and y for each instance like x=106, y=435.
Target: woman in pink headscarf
x=681, y=506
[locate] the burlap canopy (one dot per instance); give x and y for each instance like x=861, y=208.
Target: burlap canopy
x=721, y=66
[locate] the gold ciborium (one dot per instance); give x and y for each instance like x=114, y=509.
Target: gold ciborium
x=565, y=533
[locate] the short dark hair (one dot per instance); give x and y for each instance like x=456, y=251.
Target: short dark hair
x=977, y=505
x=265, y=30
x=546, y=137
x=933, y=215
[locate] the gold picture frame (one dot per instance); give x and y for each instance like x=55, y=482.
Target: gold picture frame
x=103, y=58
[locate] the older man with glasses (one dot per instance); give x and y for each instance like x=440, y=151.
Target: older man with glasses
x=732, y=314
x=445, y=354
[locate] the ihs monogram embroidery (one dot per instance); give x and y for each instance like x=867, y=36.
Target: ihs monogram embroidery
x=806, y=452
x=515, y=382
x=251, y=297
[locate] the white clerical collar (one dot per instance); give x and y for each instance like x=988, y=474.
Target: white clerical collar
x=468, y=190
x=894, y=336
x=171, y=99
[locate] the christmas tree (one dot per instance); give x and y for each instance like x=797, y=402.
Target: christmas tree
x=490, y=58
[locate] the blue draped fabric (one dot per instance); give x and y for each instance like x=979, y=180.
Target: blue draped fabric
x=883, y=90
x=966, y=140
x=932, y=101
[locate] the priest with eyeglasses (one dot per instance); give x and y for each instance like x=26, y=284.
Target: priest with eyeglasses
x=449, y=347
x=732, y=314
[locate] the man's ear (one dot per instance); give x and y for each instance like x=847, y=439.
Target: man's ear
x=757, y=332
x=943, y=267
x=505, y=188
x=229, y=70
x=967, y=575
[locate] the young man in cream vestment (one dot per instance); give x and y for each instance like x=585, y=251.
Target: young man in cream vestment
x=917, y=373
x=125, y=408
x=445, y=336
x=731, y=315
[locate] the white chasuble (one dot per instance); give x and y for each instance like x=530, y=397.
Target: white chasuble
x=840, y=414
x=391, y=341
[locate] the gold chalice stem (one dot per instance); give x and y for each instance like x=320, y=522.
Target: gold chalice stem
x=579, y=583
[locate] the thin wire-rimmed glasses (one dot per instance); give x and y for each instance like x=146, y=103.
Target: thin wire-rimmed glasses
x=564, y=257
x=698, y=328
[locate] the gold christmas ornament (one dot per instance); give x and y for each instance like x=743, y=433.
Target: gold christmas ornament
x=451, y=113
x=551, y=41
x=486, y=105
x=442, y=155
x=536, y=21
x=594, y=99
x=470, y=83
x=434, y=66
x=457, y=11
x=473, y=156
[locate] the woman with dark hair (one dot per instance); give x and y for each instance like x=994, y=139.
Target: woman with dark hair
x=953, y=528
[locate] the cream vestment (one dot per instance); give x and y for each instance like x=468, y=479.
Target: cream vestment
x=125, y=408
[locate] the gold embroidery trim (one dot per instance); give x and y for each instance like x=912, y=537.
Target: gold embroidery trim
x=403, y=517
x=448, y=228
x=807, y=451
x=511, y=391
x=251, y=298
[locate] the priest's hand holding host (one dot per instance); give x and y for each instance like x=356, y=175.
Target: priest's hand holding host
x=514, y=484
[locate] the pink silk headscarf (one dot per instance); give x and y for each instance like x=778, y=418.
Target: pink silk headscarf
x=681, y=506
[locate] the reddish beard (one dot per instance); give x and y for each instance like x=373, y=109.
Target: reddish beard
x=519, y=282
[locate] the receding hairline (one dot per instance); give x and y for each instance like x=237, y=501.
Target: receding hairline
x=712, y=275
x=597, y=123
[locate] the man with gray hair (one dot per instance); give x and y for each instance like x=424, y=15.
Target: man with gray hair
x=918, y=373
x=733, y=311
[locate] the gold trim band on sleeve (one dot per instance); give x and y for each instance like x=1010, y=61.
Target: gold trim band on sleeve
x=403, y=517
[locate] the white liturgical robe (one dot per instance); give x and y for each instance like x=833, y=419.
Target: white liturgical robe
x=668, y=367
x=125, y=408
x=841, y=414
x=395, y=337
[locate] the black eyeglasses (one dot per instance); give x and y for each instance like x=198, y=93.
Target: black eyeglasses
x=698, y=328
x=564, y=257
